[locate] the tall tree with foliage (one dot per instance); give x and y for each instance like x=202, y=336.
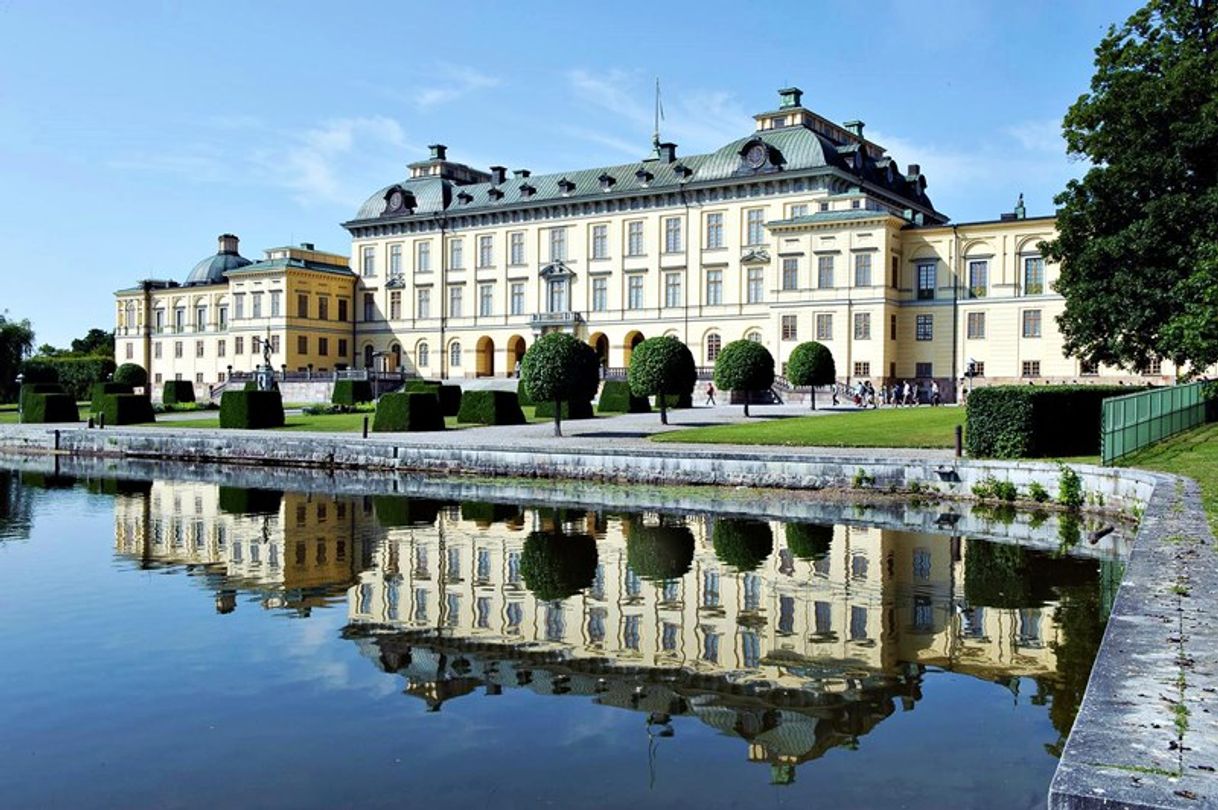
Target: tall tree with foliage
x=96, y=341
x=1138, y=234
x=744, y=365
x=661, y=366
x=560, y=367
x=811, y=364
x=16, y=343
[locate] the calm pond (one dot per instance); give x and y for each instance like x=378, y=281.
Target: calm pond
x=179, y=644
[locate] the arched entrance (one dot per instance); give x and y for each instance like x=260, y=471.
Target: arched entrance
x=632, y=339
x=515, y=353
x=368, y=356
x=395, y=357
x=484, y=364
x=600, y=342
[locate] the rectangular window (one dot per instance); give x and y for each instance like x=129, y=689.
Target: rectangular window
x=1031, y=323
x=516, y=248
x=1088, y=369
x=198, y=348
x=517, y=299
x=486, y=251
x=199, y=379
x=369, y=307
x=423, y=303
x=976, y=325
x=824, y=327
x=714, y=287
x=896, y=272
x=926, y=281
x=486, y=300
x=824, y=272
x=790, y=328
x=714, y=231
x=177, y=348
x=302, y=344
x=1031, y=368
x=634, y=238
x=556, y=291
x=924, y=371
x=323, y=346
x=892, y=327
x=200, y=319
x=422, y=260
x=862, y=369
x=395, y=305
x=456, y=254
x=323, y=308
x=799, y=210
x=255, y=345
x=978, y=278
x=672, y=289
x=369, y=266
x=790, y=274
x=455, y=293
x=862, y=270
x=672, y=235
x=222, y=317
x=256, y=300
x=395, y=260
x=600, y=241
x=862, y=326
x=274, y=344
x=343, y=305
x=1033, y=275
x=238, y=346
x=754, y=227
x=600, y=294
x=978, y=369
x=342, y=348
x=634, y=288
x=558, y=244
x=925, y=327
x=302, y=306
x=276, y=302
x=756, y=279
x=221, y=348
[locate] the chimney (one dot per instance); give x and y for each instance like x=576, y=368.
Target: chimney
x=307, y=246
x=498, y=175
x=668, y=152
x=228, y=244
x=438, y=152
x=913, y=171
x=521, y=173
x=789, y=97
x=855, y=128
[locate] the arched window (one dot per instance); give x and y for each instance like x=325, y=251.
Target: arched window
x=754, y=336
x=129, y=315
x=454, y=354
x=422, y=355
x=396, y=351
x=368, y=356
x=713, y=344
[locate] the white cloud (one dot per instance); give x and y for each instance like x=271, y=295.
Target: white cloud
x=317, y=164
x=1040, y=136
x=451, y=82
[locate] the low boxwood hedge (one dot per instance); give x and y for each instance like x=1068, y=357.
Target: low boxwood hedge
x=48, y=408
x=1036, y=421
x=408, y=411
x=578, y=409
x=176, y=391
x=125, y=409
x=490, y=408
x=101, y=389
x=616, y=397
x=251, y=410
x=351, y=392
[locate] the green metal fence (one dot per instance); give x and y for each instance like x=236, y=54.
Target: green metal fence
x=1134, y=421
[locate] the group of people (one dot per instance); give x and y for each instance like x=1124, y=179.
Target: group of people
x=864, y=395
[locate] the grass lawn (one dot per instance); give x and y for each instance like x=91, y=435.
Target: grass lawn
x=1194, y=454
x=894, y=427
x=325, y=423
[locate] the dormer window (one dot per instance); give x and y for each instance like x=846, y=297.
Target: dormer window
x=527, y=190
x=681, y=170
x=606, y=182
x=465, y=198
x=565, y=186
x=495, y=193
x=643, y=176
x=398, y=201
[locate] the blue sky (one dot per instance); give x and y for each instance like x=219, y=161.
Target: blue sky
x=132, y=133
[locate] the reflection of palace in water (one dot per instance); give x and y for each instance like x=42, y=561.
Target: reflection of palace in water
x=807, y=651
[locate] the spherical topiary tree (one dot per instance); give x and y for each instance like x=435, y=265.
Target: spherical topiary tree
x=742, y=544
x=661, y=552
x=555, y=566
x=132, y=374
x=811, y=364
x=661, y=366
x=809, y=541
x=559, y=367
x=744, y=365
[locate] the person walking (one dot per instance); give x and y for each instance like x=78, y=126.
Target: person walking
x=710, y=393
x=907, y=394
x=934, y=393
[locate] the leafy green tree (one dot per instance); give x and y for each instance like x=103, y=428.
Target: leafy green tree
x=744, y=365
x=132, y=374
x=742, y=544
x=659, y=553
x=555, y=566
x=811, y=364
x=1137, y=236
x=95, y=341
x=16, y=343
x=559, y=367
x=661, y=366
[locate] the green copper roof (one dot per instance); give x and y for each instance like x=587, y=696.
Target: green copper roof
x=272, y=265
x=832, y=216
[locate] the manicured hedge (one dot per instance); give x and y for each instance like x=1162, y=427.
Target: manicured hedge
x=394, y=511
x=46, y=408
x=484, y=514
x=250, y=501
x=75, y=374
x=659, y=552
x=407, y=411
x=132, y=374
x=1007, y=576
x=1035, y=421
x=351, y=392
x=556, y=566
x=490, y=408
x=616, y=397
x=809, y=541
x=178, y=391
x=30, y=389
x=522, y=394
x=251, y=410
x=579, y=409
x=449, y=395
x=126, y=409
x=103, y=388
x=47, y=480
x=742, y=544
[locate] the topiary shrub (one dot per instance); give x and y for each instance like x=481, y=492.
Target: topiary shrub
x=132, y=374
x=556, y=566
x=351, y=392
x=178, y=391
x=484, y=514
x=449, y=395
x=662, y=366
x=396, y=511
x=744, y=365
x=30, y=389
x=522, y=394
x=809, y=541
x=75, y=374
x=1036, y=421
x=101, y=389
x=661, y=552
x=48, y=408
x=251, y=410
x=126, y=409
x=811, y=364
x=579, y=409
x=407, y=411
x=490, y=408
x=742, y=544
x=250, y=501
x=559, y=367
x=616, y=397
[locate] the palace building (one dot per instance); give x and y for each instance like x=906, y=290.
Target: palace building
x=801, y=230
